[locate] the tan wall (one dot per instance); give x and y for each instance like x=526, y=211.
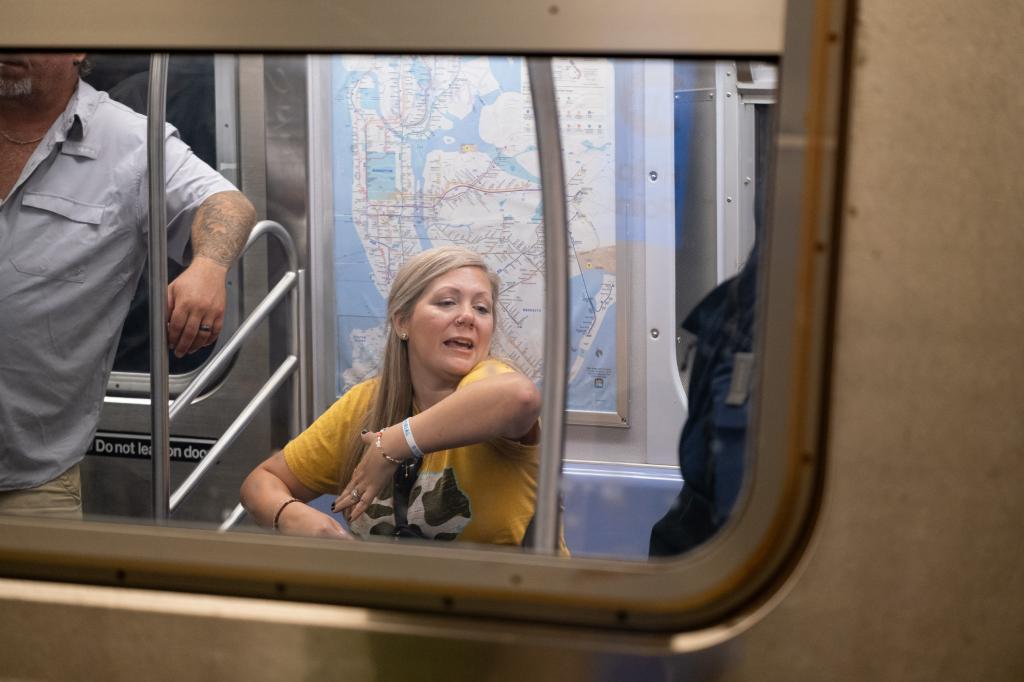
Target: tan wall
x=918, y=572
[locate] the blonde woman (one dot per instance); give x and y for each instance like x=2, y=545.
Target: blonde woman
x=442, y=444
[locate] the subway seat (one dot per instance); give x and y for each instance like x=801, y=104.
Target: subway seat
x=610, y=508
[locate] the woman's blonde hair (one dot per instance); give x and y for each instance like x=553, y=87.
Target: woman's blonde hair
x=392, y=401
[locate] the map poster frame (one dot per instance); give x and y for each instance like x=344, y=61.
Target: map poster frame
x=620, y=417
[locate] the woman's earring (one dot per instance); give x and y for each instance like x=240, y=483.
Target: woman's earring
x=404, y=336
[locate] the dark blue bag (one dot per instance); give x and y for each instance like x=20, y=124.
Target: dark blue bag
x=713, y=443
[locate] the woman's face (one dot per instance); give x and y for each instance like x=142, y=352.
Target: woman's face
x=450, y=327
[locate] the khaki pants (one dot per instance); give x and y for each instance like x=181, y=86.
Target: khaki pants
x=60, y=498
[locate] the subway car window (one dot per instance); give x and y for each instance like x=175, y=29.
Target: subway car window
x=665, y=164
x=410, y=197
x=391, y=396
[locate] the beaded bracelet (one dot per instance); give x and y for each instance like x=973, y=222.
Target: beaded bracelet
x=380, y=446
x=390, y=458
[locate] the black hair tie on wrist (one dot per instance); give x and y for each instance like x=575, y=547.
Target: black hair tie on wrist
x=277, y=516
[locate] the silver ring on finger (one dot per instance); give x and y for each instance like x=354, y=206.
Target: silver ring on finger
x=205, y=328
x=356, y=495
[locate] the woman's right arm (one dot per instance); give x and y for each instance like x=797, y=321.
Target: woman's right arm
x=266, y=492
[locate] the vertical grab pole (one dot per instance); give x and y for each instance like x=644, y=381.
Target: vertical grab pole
x=300, y=395
x=556, y=296
x=294, y=343
x=159, y=391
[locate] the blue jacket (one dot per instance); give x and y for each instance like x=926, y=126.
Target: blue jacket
x=712, y=446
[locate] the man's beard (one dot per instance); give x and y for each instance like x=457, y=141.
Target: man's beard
x=19, y=87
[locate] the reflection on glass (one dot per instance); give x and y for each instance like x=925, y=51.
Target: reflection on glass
x=665, y=164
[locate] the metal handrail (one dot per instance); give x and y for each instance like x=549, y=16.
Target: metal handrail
x=556, y=302
x=225, y=353
x=284, y=370
x=233, y=518
x=288, y=285
x=159, y=380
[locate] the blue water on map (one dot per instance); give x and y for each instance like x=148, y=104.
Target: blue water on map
x=508, y=71
x=463, y=131
x=380, y=175
x=594, y=387
x=591, y=147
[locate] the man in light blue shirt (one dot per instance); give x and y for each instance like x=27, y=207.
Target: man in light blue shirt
x=73, y=241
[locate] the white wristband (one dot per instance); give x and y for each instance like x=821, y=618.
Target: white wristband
x=410, y=441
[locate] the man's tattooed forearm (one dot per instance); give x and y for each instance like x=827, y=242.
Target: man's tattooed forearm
x=221, y=227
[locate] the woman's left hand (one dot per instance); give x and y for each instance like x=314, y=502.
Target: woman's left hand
x=371, y=477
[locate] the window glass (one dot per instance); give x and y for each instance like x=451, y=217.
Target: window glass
x=664, y=167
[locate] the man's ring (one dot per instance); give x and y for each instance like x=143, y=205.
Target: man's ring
x=356, y=495
x=205, y=328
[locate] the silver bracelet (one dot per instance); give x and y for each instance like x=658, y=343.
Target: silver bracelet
x=410, y=441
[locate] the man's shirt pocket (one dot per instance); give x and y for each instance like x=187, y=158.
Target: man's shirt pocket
x=58, y=235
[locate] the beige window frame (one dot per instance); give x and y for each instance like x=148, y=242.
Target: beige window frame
x=724, y=579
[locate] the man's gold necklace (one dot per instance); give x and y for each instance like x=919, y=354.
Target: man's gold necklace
x=14, y=140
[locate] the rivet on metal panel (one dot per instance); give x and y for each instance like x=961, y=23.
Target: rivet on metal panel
x=728, y=200
x=653, y=175
x=655, y=333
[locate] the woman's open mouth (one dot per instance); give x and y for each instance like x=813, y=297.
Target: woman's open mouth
x=459, y=344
